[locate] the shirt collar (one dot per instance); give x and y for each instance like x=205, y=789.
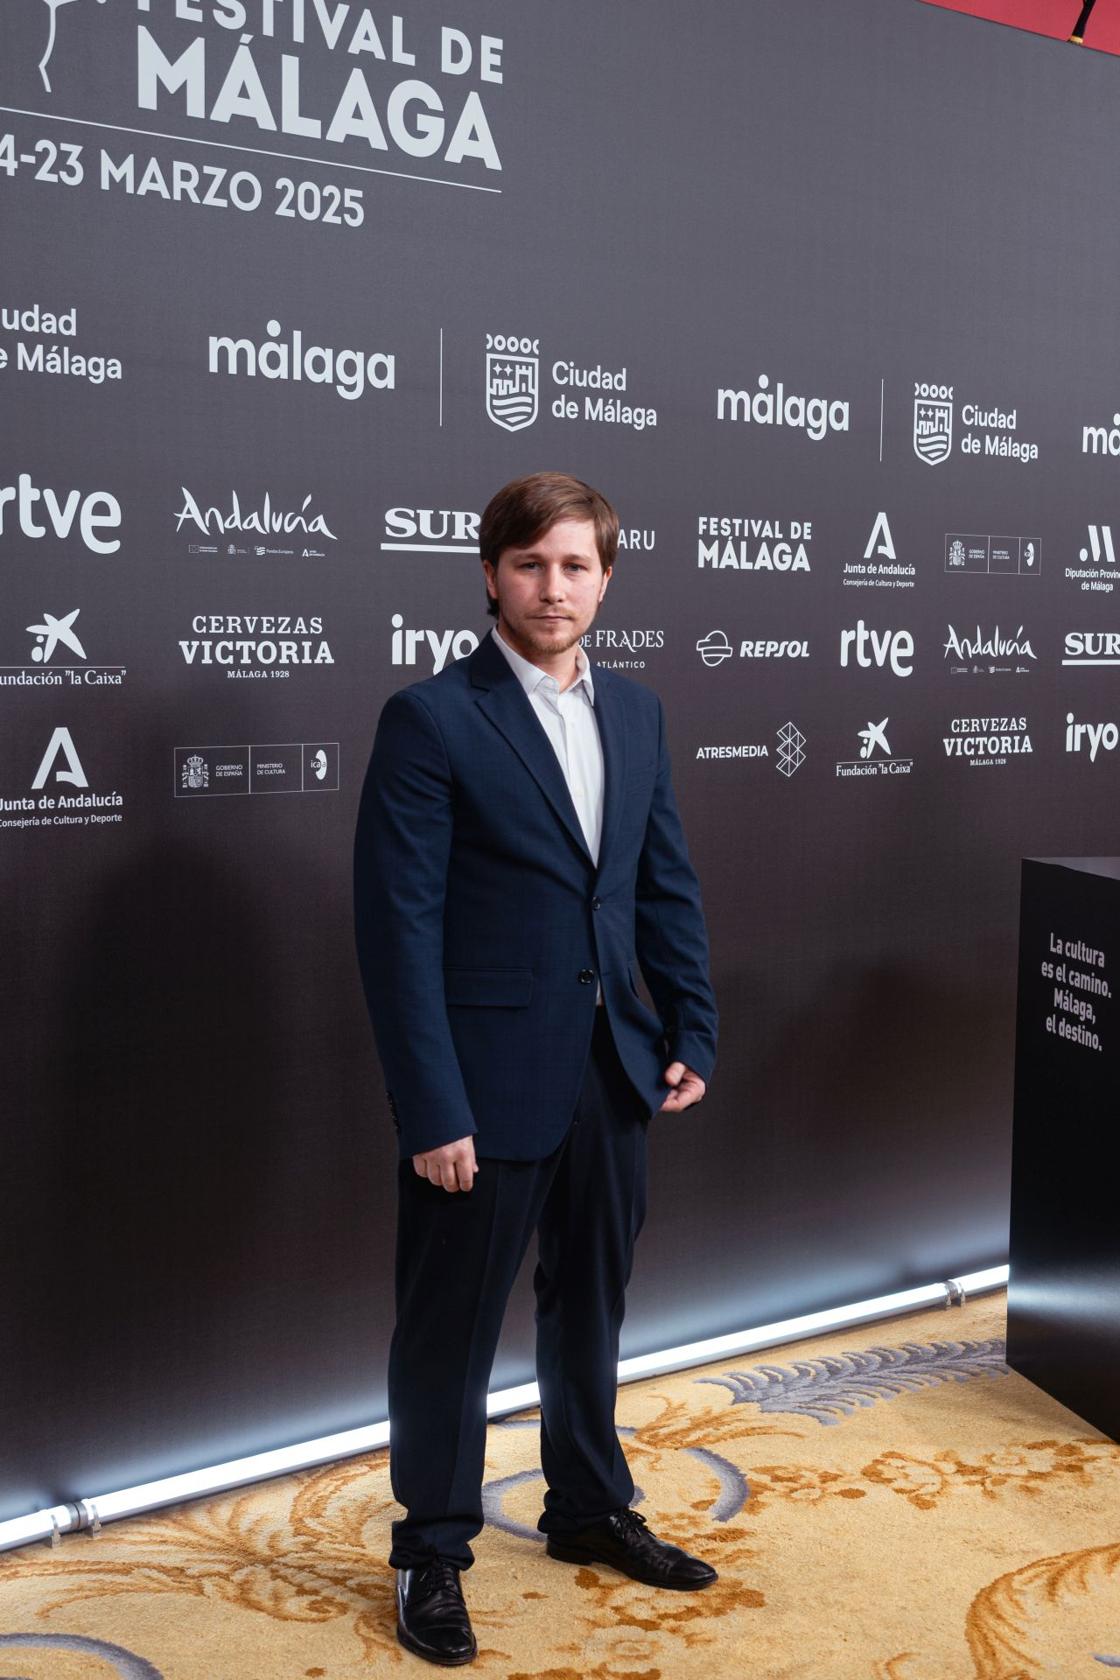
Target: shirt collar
x=531, y=676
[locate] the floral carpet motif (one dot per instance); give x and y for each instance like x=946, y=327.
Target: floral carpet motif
x=902, y=1509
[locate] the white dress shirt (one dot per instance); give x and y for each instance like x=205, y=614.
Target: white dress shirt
x=568, y=719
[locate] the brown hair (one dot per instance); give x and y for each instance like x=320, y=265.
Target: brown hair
x=526, y=508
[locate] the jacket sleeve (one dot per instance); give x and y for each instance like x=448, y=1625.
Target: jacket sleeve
x=401, y=852
x=671, y=938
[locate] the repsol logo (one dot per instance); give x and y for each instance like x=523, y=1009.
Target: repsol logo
x=774, y=650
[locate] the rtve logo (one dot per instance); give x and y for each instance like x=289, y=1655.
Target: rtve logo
x=878, y=648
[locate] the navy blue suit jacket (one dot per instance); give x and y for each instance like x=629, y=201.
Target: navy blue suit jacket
x=483, y=925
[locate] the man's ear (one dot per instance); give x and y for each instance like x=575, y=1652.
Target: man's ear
x=606, y=579
x=491, y=579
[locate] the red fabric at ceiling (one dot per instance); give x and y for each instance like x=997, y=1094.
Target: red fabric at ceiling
x=1048, y=17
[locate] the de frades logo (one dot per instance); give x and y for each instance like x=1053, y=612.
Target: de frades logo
x=618, y=649
x=85, y=516
x=59, y=659
x=513, y=375
x=48, y=804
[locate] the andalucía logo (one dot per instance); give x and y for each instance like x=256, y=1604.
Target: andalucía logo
x=60, y=767
x=265, y=518
x=512, y=380
x=933, y=423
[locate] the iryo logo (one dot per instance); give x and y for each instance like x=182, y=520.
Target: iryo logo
x=441, y=644
x=1097, y=735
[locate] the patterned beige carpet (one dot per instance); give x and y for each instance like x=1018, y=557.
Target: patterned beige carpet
x=887, y=1503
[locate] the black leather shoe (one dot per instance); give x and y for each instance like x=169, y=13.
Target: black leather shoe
x=623, y=1541
x=432, y=1619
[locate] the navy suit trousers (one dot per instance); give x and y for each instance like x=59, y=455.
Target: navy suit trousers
x=457, y=1258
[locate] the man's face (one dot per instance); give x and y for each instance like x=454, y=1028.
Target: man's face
x=549, y=592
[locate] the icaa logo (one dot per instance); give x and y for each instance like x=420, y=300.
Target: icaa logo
x=512, y=381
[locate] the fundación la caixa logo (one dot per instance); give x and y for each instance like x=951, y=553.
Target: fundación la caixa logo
x=875, y=756
x=55, y=646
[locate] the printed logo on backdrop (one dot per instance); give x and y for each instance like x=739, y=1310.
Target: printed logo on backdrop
x=512, y=381
x=987, y=430
x=287, y=767
x=55, y=644
x=1097, y=572
x=987, y=743
x=284, y=356
x=409, y=530
x=989, y=653
x=82, y=516
x=789, y=750
x=225, y=521
x=714, y=648
x=1092, y=647
x=1090, y=738
x=513, y=388
x=740, y=543
x=59, y=768
x=42, y=346
x=880, y=567
x=621, y=650
x=875, y=756
x=816, y=417
x=428, y=648
x=1102, y=440
x=877, y=649
x=966, y=553
x=255, y=646
x=224, y=61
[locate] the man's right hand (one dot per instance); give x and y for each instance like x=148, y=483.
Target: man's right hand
x=452, y=1165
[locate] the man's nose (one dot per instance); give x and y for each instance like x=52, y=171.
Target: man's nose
x=553, y=584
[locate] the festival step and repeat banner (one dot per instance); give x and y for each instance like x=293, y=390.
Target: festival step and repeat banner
x=823, y=298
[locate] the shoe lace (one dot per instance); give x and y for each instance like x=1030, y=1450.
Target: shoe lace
x=438, y=1576
x=630, y=1522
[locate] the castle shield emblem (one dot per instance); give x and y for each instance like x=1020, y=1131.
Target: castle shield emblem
x=512, y=381
x=933, y=423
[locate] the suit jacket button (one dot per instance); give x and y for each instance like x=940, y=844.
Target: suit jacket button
x=586, y=976
x=596, y=904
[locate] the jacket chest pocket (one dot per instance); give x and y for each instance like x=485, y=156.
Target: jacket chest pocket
x=491, y=988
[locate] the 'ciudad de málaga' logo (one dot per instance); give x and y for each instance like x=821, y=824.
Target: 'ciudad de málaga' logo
x=933, y=423
x=512, y=380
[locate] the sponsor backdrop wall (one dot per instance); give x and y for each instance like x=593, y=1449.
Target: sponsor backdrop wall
x=823, y=297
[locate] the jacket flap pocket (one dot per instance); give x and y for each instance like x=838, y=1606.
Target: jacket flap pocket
x=501, y=988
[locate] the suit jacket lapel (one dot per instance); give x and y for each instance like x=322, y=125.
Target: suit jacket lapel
x=507, y=706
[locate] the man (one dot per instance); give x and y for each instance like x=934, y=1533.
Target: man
x=518, y=851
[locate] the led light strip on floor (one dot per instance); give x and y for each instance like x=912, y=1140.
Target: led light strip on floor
x=219, y=1478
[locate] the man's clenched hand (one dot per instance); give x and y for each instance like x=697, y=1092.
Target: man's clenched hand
x=453, y=1164
x=687, y=1088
